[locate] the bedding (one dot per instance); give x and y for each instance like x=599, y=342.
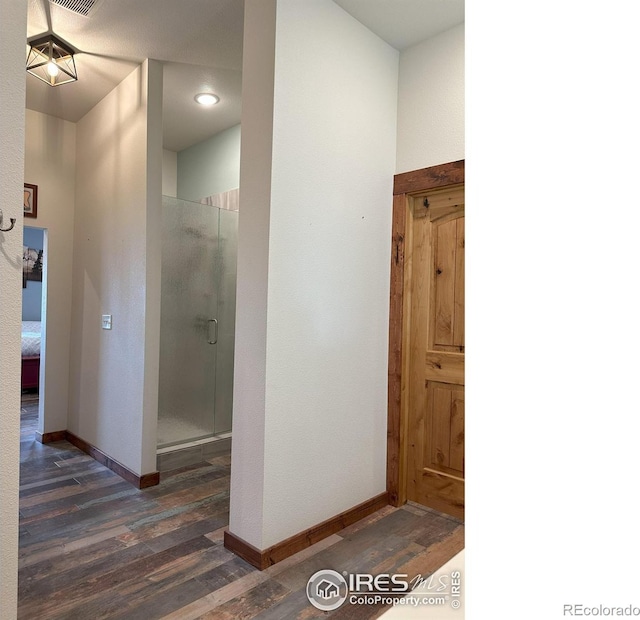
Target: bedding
x=31, y=338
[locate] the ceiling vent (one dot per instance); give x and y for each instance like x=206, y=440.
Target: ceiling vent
x=86, y=8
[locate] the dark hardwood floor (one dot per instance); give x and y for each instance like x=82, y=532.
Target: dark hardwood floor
x=93, y=546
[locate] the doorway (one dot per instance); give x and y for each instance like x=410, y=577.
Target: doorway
x=34, y=287
x=426, y=363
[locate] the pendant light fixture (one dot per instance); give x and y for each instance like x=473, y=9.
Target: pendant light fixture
x=51, y=60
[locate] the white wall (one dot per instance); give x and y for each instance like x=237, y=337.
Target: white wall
x=112, y=382
x=247, y=455
x=169, y=173
x=153, y=280
x=13, y=17
x=329, y=229
x=431, y=102
x=50, y=163
x=210, y=167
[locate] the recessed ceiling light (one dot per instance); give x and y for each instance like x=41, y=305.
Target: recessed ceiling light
x=206, y=99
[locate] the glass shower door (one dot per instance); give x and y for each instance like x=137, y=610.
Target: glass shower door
x=189, y=328
x=226, y=275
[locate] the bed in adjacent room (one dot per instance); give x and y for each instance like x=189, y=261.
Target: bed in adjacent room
x=31, y=331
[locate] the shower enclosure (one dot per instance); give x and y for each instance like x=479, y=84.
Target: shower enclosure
x=197, y=320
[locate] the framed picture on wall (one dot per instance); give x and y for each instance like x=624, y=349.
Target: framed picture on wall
x=30, y=200
x=32, y=264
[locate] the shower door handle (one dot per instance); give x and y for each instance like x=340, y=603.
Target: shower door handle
x=215, y=338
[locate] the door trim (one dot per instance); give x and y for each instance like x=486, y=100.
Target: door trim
x=405, y=185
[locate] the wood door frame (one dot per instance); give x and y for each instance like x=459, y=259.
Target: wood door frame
x=405, y=185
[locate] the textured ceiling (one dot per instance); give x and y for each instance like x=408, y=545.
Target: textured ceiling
x=200, y=42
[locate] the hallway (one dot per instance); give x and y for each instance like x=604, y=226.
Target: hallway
x=93, y=546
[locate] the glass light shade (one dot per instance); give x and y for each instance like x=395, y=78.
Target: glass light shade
x=52, y=69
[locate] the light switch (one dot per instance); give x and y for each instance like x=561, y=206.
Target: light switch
x=106, y=321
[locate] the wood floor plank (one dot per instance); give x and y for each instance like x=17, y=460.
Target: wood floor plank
x=193, y=494
x=295, y=606
x=217, y=535
x=398, y=557
x=420, y=510
x=341, y=556
x=89, y=475
x=26, y=520
x=79, y=523
x=94, y=596
x=426, y=528
x=434, y=531
x=249, y=604
x=29, y=589
x=169, y=521
x=160, y=604
x=392, y=522
x=171, y=587
x=187, y=479
x=186, y=533
x=435, y=556
x=49, y=469
x=226, y=573
x=221, y=459
x=72, y=495
x=92, y=546
x=205, y=605
x=29, y=556
x=138, y=592
x=71, y=559
x=355, y=555
x=47, y=487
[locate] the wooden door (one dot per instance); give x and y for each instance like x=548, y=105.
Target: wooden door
x=433, y=335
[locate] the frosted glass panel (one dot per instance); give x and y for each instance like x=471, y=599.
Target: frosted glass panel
x=189, y=303
x=226, y=278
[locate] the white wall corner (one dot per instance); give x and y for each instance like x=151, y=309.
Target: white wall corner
x=315, y=230
x=169, y=173
x=108, y=375
x=247, y=457
x=154, y=179
x=13, y=17
x=431, y=102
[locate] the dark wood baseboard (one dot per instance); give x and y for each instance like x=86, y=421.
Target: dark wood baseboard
x=298, y=542
x=247, y=552
x=51, y=437
x=141, y=482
